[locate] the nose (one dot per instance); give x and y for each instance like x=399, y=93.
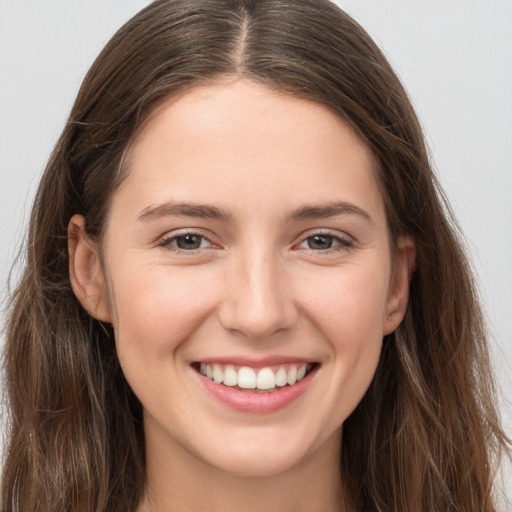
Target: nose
x=258, y=300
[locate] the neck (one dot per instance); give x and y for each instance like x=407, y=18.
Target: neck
x=178, y=481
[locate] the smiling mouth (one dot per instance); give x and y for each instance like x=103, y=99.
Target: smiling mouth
x=261, y=380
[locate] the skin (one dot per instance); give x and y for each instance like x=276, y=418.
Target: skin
x=255, y=287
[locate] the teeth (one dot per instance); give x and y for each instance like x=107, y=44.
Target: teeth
x=291, y=376
x=218, y=374
x=301, y=372
x=230, y=376
x=281, y=377
x=248, y=378
x=266, y=379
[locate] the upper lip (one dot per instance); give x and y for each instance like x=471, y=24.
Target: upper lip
x=255, y=362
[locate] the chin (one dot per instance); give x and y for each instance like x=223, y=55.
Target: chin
x=255, y=464
x=265, y=455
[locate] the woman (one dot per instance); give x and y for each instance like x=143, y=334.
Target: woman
x=242, y=288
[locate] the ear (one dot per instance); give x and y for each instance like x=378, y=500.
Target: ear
x=398, y=293
x=85, y=271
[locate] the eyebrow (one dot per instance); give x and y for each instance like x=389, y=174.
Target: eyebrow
x=328, y=210
x=205, y=211
x=172, y=208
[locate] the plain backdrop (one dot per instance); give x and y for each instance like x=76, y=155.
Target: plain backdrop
x=454, y=57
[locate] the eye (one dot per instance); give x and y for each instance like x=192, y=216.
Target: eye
x=325, y=242
x=186, y=242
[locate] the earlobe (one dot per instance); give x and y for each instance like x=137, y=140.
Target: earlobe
x=398, y=295
x=85, y=271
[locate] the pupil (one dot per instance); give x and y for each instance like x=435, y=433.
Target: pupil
x=320, y=242
x=188, y=241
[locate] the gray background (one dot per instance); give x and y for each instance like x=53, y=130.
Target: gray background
x=454, y=57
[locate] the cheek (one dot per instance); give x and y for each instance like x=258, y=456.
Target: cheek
x=155, y=308
x=348, y=304
x=347, y=309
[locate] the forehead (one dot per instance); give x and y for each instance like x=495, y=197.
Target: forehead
x=219, y=141
x=254, y=110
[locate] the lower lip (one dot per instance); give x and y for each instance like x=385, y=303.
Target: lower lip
x=256, y=403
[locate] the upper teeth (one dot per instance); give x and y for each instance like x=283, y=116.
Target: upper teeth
x=248, y=378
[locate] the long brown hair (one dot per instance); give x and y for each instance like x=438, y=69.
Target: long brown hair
x=426, y=436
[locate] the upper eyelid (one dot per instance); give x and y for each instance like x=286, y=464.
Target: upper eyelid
x=335, y=233
x=165, y=240
x=175, y=233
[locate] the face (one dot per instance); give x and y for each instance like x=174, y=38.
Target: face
x=246, y=270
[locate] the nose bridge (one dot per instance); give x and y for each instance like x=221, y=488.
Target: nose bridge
x=258, y=301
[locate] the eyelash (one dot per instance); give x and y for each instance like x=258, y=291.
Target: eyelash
x=166, y=243
x=342, y=244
